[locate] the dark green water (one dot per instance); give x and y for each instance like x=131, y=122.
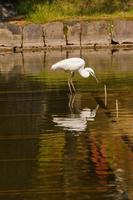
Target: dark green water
x=56, y=146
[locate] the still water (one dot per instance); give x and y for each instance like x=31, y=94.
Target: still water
x=57, y=146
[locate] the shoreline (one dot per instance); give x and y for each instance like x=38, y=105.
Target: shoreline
x=67, y=47
x=113, y=34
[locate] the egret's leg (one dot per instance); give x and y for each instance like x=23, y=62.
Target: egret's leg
x=73, y=86
x=69, y=85
x=71, y=81
x=71, y=101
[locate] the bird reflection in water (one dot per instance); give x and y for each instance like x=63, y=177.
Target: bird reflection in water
x=76, y=122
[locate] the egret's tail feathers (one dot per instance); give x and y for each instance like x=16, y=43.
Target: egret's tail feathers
x=54, y=67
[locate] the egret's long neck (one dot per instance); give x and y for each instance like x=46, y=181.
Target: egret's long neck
x=84, y=73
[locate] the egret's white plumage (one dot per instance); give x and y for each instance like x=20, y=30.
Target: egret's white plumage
x=72, y=65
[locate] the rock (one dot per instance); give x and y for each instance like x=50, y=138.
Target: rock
x=10, y=35
x=53, y=34
x=73, y=32
x=33, y=36
x=17, y=34
x=123, y=31
x=68, y=35
x=6, y=36
x=7, y=10
x=96, y=32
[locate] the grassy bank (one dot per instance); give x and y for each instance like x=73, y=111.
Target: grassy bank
x=44, y=11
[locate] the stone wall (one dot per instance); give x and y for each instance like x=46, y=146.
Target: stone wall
x=66, y=34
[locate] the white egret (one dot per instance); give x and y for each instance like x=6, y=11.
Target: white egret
x=72, y=65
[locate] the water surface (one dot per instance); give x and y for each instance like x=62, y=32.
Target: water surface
x=58, y=146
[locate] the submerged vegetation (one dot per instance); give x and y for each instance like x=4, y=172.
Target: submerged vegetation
x=50, y=10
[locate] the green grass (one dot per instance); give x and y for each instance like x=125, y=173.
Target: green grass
x=60, y=11
x=46, y=12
